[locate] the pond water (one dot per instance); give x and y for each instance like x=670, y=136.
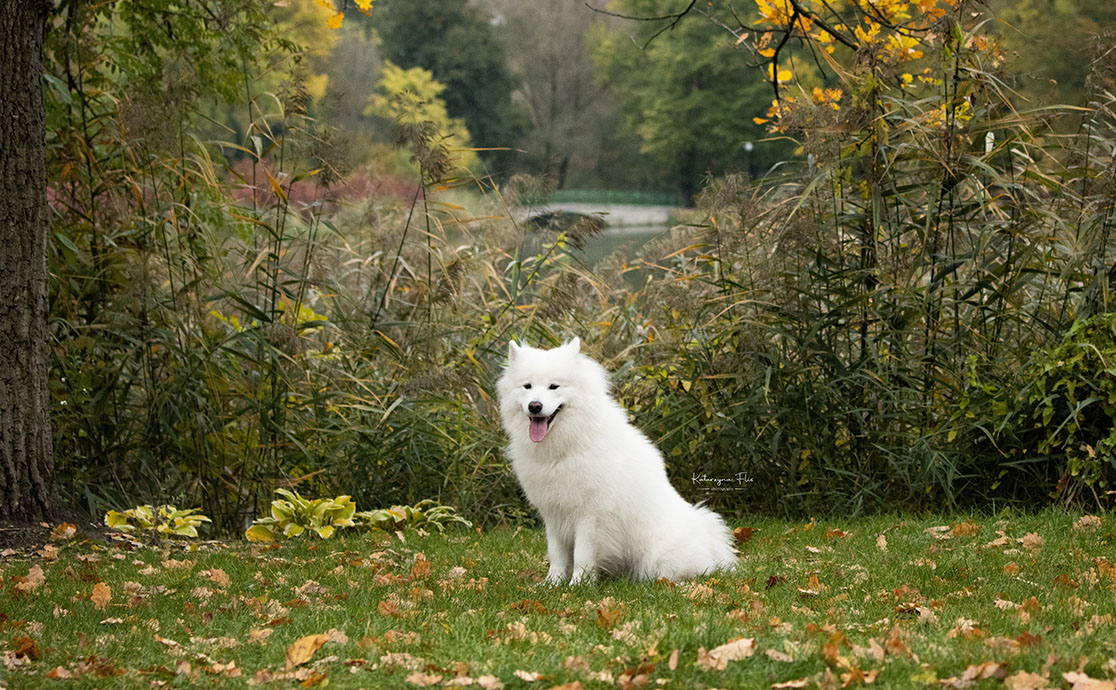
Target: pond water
x=628, y=240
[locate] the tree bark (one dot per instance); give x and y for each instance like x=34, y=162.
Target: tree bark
x=27, y=490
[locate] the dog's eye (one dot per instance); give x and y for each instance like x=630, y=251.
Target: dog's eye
x=554, y=386
x=527, y=386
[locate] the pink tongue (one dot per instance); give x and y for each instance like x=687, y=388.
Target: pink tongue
x=538, y=428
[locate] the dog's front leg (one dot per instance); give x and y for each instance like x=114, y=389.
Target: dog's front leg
x=584, y=554
x=561, y=557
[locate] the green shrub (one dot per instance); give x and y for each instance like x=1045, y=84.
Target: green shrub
x=424, y=514
x=1070, y=401
x=165, y=520
x=293, y=515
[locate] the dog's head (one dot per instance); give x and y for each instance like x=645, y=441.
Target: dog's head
x=540, y=386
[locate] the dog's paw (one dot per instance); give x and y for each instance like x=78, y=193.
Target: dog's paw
x=554, y=579
x=583, y=577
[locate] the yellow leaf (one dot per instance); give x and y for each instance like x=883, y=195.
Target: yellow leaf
x=335, y=21
x=101, y=596
x=276, y=187
x=303, y=649
x=259, y=533
x=767, y=52
x=364, y=6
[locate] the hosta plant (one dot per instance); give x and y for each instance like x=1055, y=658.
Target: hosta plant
x=426, y=513
x=165, y=519
x=293, y=515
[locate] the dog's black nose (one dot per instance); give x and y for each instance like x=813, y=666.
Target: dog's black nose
x=534, y=407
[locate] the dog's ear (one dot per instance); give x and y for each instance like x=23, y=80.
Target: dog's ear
x=574, y=345
x=513, y=351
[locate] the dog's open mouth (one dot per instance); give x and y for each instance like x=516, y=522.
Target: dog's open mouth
x=540, y=424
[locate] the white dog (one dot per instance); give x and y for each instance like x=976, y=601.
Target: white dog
x=599, y=484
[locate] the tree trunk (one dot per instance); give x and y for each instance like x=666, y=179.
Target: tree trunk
x=27, y=491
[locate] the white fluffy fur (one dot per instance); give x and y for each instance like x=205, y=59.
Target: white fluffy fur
x=599, y=484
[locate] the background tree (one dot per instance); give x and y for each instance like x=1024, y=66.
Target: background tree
x=27, y=489
x=458, y=45
x=1067, y=31
x=547, y=44
x=690, y=95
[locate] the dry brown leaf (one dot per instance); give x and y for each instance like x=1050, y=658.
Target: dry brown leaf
x=575, y=685
x=421, y=568
x=259, y=634
x=218, y=576
x=528, y=676
x=423, y=679
x=717, y=659
x=32, y=581
x=743, y=535
x=881, y=542
x=63, y=531
x=101, y=596
x=490, y=682
x=1081, y=681
x=1087, y=523
x=976, y=672
x=1032, y=541
x=303, y=649
x=965, y=529
x=786, y=685
x=672, y=662
x=1026, y=681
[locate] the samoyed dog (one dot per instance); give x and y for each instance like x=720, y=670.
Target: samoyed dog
x=599, y=484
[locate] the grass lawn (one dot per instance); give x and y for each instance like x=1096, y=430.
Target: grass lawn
x=979, y=602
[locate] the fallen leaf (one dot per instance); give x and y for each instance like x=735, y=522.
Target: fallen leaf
x=965, y=529
x=101, y=596
x=575, y=685
x=881, y=542
x=303, y=649
x=976, y=672
x=1080, y=681
x=220, y=577
x=1087, y=523
x=743, y=535
x=774, y=580
x=490, y=682
x=64, y=531
x=422, y=679
x=717, y=659
x=31, y=582
x=1026, y=681
x=259, y=634
x=529, y=676
x=672, y=662
x=59, y=672
x=941, y=532
x=27, y=648
x=421, y=567
x=1032, y=541
x=607, y=617
x=786, y=685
